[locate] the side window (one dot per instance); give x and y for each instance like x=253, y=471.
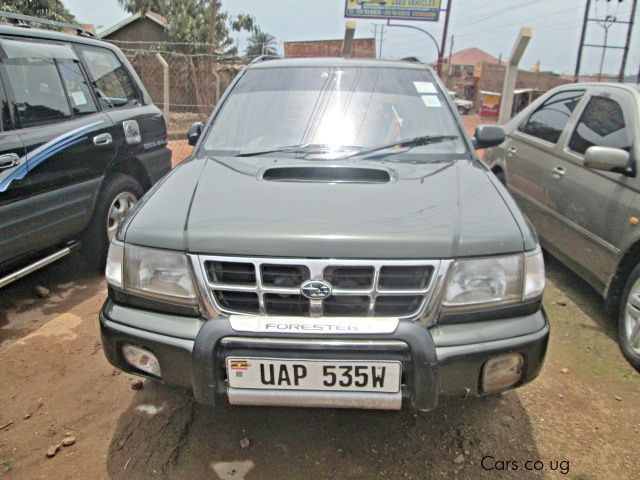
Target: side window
x=5, y=116
x=37, y=88
x=601, y=124
x=113, y=85
x=548, y=121
x=77, y=87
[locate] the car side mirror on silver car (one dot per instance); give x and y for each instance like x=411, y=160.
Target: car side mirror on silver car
x=194, y=133
x=488, y=136
x=607, y=159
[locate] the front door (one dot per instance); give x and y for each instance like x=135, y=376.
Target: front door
x=532, y=152
x=592, y=205
x=68, y=141
x=14, y=187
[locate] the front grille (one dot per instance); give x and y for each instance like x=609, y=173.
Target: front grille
x=287, y=305
x=238, y=301
x=231, y=273
x=284, y=276
x=349, y=277
x=400, y=305
x=405, y=278
x=361, y=288
x=346, y=306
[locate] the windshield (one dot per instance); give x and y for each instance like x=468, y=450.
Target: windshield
x=333, y=108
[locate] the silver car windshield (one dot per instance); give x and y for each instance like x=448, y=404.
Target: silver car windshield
x=333, y=108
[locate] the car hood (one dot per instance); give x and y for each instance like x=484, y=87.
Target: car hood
x=226, y=206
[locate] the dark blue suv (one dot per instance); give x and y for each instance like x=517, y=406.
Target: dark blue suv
x=80, y=143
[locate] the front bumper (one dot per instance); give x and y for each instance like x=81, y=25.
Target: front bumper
x=441, y=361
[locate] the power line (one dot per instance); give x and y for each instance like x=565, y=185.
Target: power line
x=495, y=13
x=493, y=33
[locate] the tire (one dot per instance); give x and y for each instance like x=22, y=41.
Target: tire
x=115, y=200
x=629, y=319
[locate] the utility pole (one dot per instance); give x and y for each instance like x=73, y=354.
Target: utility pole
x=606, y=25
x=582, y=39
x=449, y=62
x=445, y=32
x=381, y=40
x=628, y=43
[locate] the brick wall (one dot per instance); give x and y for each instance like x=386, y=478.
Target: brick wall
x=362, y=48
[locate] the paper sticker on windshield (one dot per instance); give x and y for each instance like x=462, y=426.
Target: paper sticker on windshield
x=78, y=98
x=431, y=101
x=425, y=88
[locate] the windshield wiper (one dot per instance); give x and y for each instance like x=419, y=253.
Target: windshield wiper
x=405, y=144
x=304, y=148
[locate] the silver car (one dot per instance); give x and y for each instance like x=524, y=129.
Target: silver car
x=571, y=161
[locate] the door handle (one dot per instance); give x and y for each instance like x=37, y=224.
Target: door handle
x=9, y=160
x=558, y=172
x=102, y=139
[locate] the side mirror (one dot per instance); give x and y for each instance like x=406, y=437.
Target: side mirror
x=607, y=159
x=194, y=133
x=488, y=136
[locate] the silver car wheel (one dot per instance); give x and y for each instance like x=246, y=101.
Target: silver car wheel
x=121, y=205
x=632, y=318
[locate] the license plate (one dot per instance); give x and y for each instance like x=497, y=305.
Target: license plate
x=314, y=375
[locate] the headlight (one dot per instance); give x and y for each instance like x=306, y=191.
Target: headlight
x=148, y=272
x=491, y=281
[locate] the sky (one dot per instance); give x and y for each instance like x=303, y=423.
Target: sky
x=491, y=25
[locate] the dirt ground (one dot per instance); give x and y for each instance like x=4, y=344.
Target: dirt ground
x=581, y=416
x=579, y=419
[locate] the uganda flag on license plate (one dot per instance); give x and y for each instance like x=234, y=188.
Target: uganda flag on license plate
x=239, y=365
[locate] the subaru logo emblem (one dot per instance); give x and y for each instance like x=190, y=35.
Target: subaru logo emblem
x=316, y=289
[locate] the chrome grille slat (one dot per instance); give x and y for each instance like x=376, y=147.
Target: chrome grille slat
x=434, y=279
x=260, y=288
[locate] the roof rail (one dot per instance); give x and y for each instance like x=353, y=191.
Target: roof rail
x=23, y=21
x=264, y=58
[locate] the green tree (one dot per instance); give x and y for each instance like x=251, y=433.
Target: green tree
x=49, y=9
x=260, y=43
x=190, y=21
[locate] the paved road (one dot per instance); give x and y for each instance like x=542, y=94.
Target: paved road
x=55, y=381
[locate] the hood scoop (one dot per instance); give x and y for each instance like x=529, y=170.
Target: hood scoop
x=326, y=174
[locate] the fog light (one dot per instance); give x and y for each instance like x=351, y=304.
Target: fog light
x=502, y=371
x=141, y=359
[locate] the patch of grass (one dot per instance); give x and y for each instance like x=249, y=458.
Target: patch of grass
x=6, y=464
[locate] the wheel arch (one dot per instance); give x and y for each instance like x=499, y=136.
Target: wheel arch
x=131, y=167
x=626, y=265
